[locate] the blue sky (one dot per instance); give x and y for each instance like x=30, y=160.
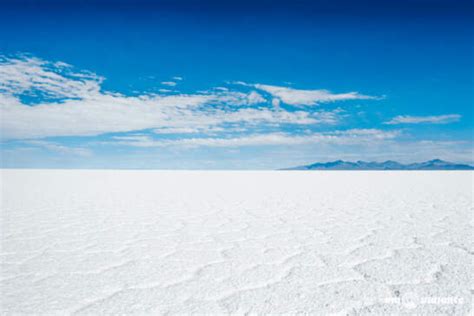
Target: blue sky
x=234, y=84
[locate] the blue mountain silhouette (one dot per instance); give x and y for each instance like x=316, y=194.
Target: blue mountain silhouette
x=435, y=164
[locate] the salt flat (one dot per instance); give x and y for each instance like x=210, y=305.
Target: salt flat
x=153, y=242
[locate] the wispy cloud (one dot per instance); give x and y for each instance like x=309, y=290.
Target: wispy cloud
x=297, y=97
x=106, y=113
x=435, y=119
x=348, y=137
x=29, y=75
x=57, y=148
x=80, y=106
x=169, y=83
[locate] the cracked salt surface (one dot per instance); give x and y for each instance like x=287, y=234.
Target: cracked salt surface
x=115, y=242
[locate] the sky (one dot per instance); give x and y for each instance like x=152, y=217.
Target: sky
x=190, y=84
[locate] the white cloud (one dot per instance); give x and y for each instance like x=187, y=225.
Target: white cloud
x=347, y=137
x=84, y=109
x=80, y=107
x=177, y=130
x=107, y=113
x=169, y=83
x=435, y=119
x=254, y=116
x=255, y=98
x=236, y=97
x=101, y=114
x=32, y=75
x=178, y=78
x=51, y=146
x=298, y=97
x=189, y=130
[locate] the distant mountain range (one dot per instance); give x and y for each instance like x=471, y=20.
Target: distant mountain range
x=435, y=164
